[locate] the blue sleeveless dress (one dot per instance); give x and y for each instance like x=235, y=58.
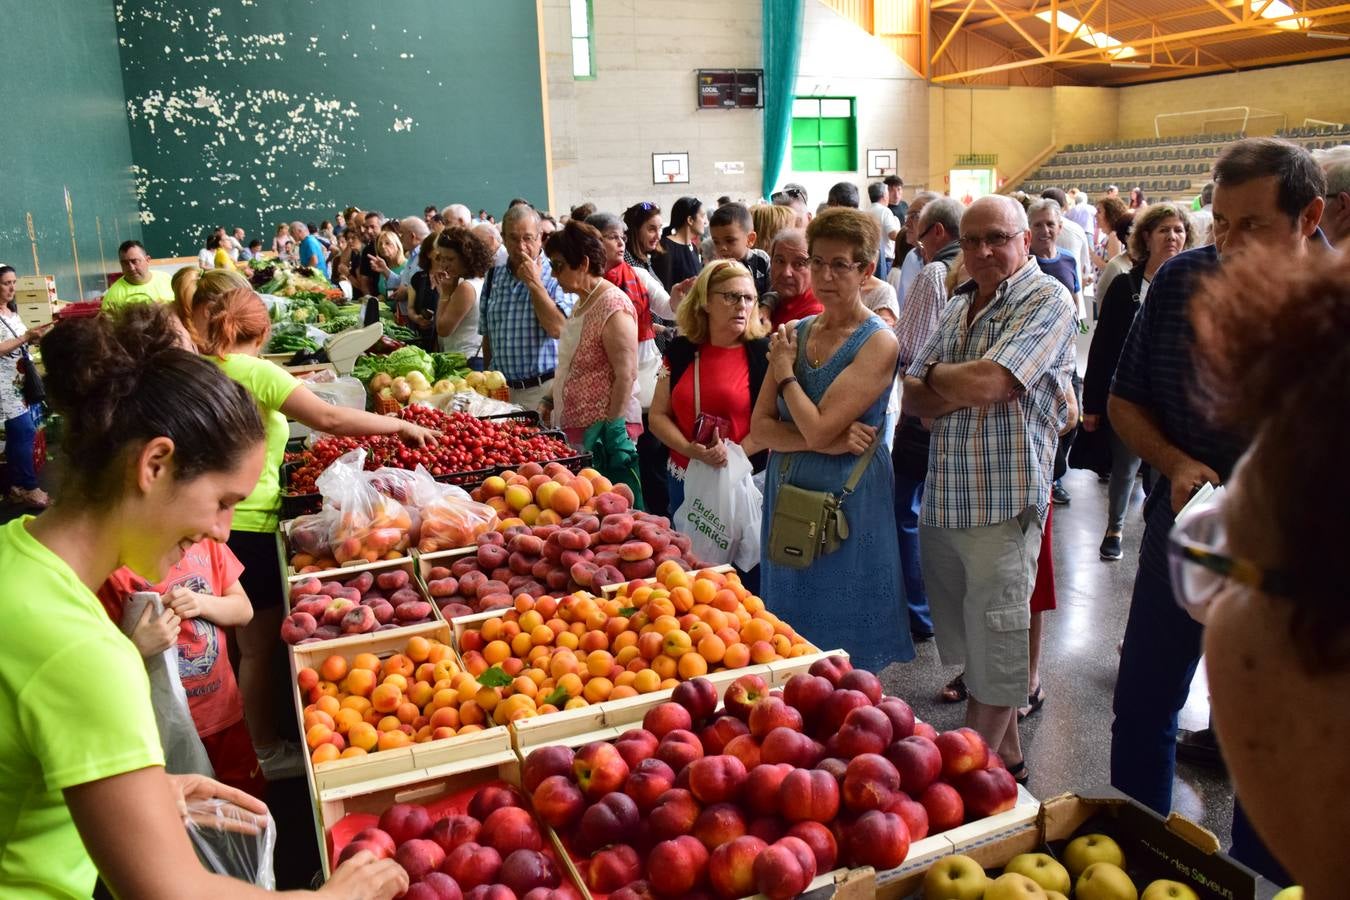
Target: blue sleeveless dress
x=850, y=598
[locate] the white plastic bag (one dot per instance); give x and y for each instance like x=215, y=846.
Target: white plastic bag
x=183, y=750
x=721, y=511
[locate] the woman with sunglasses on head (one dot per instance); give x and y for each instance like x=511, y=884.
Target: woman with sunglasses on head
x=160, y=447
x=820, y=410
x=1260, y=567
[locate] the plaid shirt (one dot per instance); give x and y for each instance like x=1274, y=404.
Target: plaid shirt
x=922, y=312
x=987, y=464
x=520, y=347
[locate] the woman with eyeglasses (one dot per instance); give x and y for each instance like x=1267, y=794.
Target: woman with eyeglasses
x=1261, y=566
x=1163, y=231
x=597, y=352
x=679, y=258
x=819, y=411
x=714, y=371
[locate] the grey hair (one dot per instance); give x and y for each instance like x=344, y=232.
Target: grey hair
x=602, y=221
x=1335, y=162
x=416, y=225
x=299, y=230
x=794, y=235
x=458, y=212
x=945, y=211
x=486, y=229
x=924, y=197
x=518, y=212
x=1038, y=206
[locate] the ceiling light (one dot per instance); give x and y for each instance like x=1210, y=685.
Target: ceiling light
x=1130, y=65
x=1086, y=33
x=1329, y=36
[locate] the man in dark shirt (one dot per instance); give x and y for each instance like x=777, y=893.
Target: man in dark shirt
x=366, y=278
x=1268, y=193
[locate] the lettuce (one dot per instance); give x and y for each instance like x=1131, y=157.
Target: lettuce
x=408, y=359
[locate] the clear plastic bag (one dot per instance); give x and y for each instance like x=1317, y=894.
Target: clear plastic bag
x=312, y=534
x=452, y=521
x=367, y=525
x=229, y=842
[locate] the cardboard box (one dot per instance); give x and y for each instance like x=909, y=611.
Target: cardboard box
x=384, y=766
x=1174, y=848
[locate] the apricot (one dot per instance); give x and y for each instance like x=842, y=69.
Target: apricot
x=519, y=496
x=762, y=652
x=564, y=499
x=363, y=736
x=712, y=648
x=386, y=698
x=317, y=734
x=737, y=656
x=392, y=740
x=419, y=648
x=324, y=753
x=398, y=664
x=334, y=668
x=692, y=665
x=307, y=679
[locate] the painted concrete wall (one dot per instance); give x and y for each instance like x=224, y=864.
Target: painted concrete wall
x=643, y=101
x=65, y=128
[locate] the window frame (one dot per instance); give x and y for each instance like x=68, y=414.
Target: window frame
x=588, y=37
x=851, y=145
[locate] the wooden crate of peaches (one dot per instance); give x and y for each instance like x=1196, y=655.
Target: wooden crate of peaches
x=577, y=650
x=559, y=532
x=764, y=789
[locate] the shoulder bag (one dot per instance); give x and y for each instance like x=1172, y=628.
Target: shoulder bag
x=34, y=391
x=809, y=524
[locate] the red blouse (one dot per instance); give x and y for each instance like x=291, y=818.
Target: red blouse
x=724, y=383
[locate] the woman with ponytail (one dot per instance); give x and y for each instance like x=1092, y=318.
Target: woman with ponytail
x=190, y=282
x=231, y=330
x=159, y=449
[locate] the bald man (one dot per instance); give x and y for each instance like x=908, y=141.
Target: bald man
x=993, y=379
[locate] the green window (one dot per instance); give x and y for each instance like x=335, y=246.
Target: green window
x=583, y=39
x=824, y=134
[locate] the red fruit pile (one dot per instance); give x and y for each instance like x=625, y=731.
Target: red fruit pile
x=586, y=552
x=467, y=444
x=368, y=602
x=494, y=851
x=775, y=789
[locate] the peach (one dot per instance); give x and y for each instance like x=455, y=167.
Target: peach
x=878, y=839
x=901, y=715
x=453, y=831
x=915, y=816
x=742, y=694
x=807, y=693
x=821, y=841
x=558, y=801
x=492, y=797
x=298, y=626
x=609, y=820
x=963, y=750
x=762, y=787
x=356, y=846
x=472, y=864
x=746, y=748
x=773, y=712
x=676, y=867
x=719, y=824
x=679, y=748
x=379, y=838
x=612, y=868
x=731, y=866
x=664, y=718
x=783, y=745
x=836, y=708
x=870, y=782
x=831, y=668
x=674, y=814
x=525, y=870
x=434, y=886
x=405, y=822
x=649, y=779
x=599, y=769
x=419, y=856
x=918, y=761
x=945, y=808
x=866, y=729
x=544, y=762
x=511, y=828
x=785, y=868
x=809, y=794
x=636, y=745
x=987, y=791
x=716, y=779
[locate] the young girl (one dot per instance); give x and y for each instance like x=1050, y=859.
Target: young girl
x=159, y=448
x=202, y=596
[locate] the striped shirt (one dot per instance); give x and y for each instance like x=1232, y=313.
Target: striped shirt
x=520, y=346
x=987, y=464
x=922, y=311
x=1157, y=372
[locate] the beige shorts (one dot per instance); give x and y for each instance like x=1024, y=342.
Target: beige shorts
x=979, y=583
x=528, y=398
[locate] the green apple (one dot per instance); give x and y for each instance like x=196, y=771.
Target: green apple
x=1104, y=881
x=955, y=878
x=1043, y=869
x=1290, y=893
x=1088, y=849
x=1011, y=886
x=1162, y=889
x=1055, y=895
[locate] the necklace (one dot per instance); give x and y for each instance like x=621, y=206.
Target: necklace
x=581, y=304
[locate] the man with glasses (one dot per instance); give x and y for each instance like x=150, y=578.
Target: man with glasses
x=939, y=244
x=1335, y=163
x=1268, y=193
x=522, y=311
x=993, y=379
x=139, y=283
x=789, y=296
x=907, y=250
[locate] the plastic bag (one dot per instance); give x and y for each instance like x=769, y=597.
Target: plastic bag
x=450, y=522
x=312, y=534
x=228, y=841
x=367, y=525
x=721, y=511
x=183, y=750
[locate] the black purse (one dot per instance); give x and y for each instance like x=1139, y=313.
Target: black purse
x=34, y=391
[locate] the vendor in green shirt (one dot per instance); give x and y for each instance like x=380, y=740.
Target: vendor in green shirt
x=231, y=329
x=159, y=448
x=138, y=284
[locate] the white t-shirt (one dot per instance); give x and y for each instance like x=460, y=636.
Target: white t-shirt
x=465, y=338
x=888, y=222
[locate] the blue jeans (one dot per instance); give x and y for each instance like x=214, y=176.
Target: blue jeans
x=1157, y=662
x=908, y=498
x=20, y=432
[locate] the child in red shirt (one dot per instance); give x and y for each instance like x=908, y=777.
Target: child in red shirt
x=202, y=592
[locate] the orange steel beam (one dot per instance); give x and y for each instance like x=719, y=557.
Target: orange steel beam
x=1234, y=32
x=956, y=27
x=1145, y=77
x=1135, y=21
x=993, y=4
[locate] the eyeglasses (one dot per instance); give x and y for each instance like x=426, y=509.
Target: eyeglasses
x=993, y=240
x=733, y=299
x=920, y=238
x=1198, y=560
x=838, y=268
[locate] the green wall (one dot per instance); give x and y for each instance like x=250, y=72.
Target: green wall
x=255, y=112
x=65, y=127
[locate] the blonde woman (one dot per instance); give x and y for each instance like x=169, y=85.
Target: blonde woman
x=721, y=342
x=390, y=249
x=769, y=220
x=281, y=239
x=193, y=287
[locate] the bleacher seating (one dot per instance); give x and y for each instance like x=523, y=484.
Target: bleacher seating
x=1174, y=167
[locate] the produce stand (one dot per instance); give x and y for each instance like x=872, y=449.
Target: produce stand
x=405, y=564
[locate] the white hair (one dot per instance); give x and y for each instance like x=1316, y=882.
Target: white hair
x=1039, y=206
x=488, y=234
x=299, y=230
x=417, y=227
x=457, y=214
x=517, y=212
x=1335, y=162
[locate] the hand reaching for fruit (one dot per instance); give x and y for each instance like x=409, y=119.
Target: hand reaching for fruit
x=416, y=435
x=367, y=877
x=155, y=634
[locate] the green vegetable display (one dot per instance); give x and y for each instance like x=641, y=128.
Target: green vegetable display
x=449, y=365
x=291, y=338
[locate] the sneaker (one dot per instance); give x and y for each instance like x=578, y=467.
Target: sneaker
x=1059, y=495
x=1110, y=549
x=282, y=760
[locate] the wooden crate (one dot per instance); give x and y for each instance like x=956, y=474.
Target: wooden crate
x=283, y=549
x=428, y=561
x=384, y=764
x=405, y=564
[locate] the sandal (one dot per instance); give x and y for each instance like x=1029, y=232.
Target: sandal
x=1035, y=700
x=1019, y=772
x=955, y=690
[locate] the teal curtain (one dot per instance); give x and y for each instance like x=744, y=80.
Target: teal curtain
x=782, y=44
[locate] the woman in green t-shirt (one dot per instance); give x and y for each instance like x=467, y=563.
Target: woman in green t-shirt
x=232, y=329
x=159, y=448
